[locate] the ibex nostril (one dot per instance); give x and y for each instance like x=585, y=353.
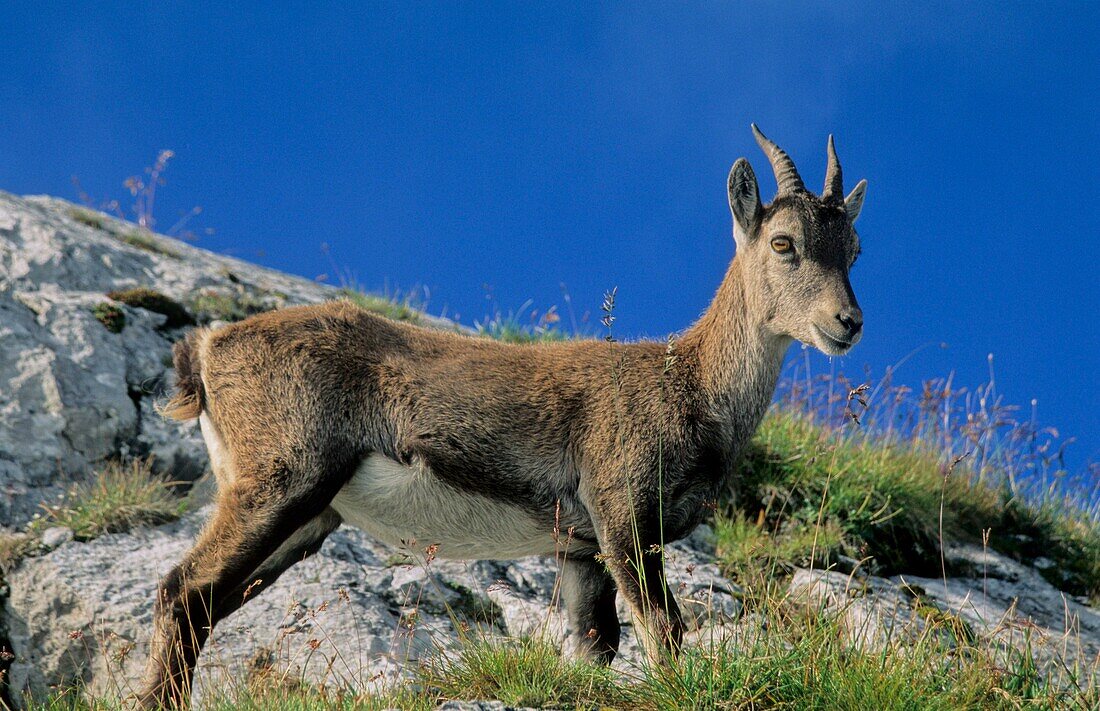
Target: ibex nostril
x=851, y=319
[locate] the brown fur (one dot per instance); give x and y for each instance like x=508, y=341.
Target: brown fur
x=622, y=445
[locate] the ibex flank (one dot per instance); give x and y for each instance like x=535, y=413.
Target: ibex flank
x=599, y=452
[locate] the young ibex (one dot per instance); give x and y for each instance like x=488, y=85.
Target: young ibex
x=322, y=414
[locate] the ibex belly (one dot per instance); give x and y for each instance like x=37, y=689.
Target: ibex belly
x=409, y=508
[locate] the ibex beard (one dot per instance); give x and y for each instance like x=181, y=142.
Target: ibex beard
x=599, y=452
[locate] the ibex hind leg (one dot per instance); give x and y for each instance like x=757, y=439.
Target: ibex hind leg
x=301, y=544
x=260, y=526
x=589, y=593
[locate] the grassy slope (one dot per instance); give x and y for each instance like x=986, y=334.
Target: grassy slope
x=807, y=493
x=808, y=490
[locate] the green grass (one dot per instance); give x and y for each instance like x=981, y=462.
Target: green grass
x=259, y=696
x=145, y=240
x=511, y=329
x=404, y=698
x=112, y=317
x=91, y=218
x=817, y=671
x=395, y=308
x=227, y=305
x=519, y=672
x=116, y=499
x=808, y=491
x=801, y=665
x=409, y=309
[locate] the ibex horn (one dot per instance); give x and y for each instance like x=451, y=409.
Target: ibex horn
x=786, y=175
x=834, y=180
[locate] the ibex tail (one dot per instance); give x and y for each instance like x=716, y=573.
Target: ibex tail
x=188, y=400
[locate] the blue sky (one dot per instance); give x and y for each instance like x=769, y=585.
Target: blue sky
x=507, y=148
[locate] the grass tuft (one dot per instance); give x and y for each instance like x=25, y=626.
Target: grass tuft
x=519, y=672
x=819, y=672
x=120, y=497
x=87, y=217
x=808, y=491
x=152, y=300
x=511, y=329
x=395, y=308
x=227, y=305
x=145, y=240
x=14, y=546
x=112, y=317
x=314, y=699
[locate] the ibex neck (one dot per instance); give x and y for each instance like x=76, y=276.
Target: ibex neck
x=737, y=359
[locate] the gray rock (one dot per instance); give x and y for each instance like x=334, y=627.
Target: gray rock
x=997, y=608
x=72, y=393
x=56, y=535
x=347, y=616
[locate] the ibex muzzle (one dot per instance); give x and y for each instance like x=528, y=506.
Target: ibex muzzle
x=596, y=452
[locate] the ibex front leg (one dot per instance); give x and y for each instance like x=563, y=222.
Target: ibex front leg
x=632, y=551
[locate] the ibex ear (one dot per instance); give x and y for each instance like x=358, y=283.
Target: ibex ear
x=854, y=202
x=744, y=197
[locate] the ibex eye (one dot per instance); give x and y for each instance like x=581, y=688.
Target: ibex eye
x=782, y=245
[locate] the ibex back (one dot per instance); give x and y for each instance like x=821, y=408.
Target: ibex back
x=599, y=452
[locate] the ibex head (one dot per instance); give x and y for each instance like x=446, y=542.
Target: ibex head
x=798, y=250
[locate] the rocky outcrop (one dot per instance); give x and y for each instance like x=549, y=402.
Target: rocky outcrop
x=82, y=363
x=79, y=371
x=356, y=614
x=992, y=599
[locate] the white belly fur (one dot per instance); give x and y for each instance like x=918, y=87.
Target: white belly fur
x=409, y=508
x=215, y=447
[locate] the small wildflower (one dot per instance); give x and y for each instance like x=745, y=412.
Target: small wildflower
x=551, y=316
x=124, y=651
x=498, y=585
x=251, y=586
x=857, y=394
x=608, y=308
x=670, y=356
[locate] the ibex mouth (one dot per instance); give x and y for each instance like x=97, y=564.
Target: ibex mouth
x=832, y=345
